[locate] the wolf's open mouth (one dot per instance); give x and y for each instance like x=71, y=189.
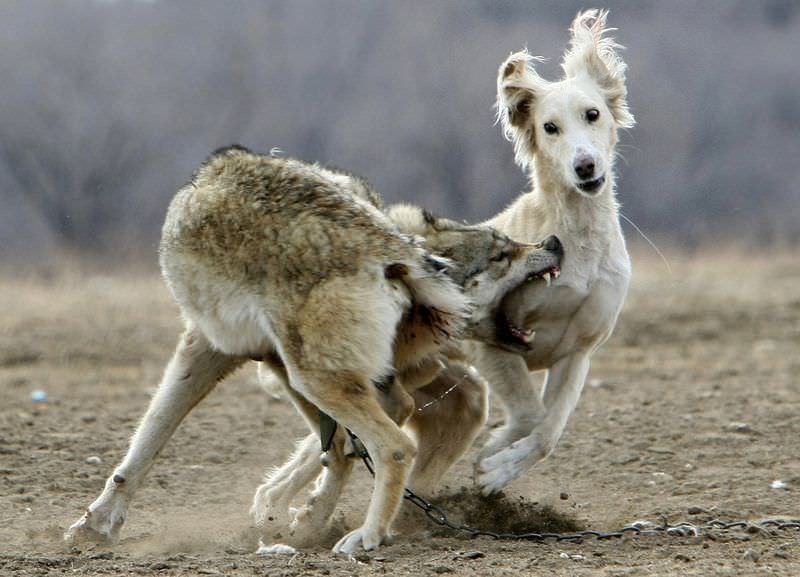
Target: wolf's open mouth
x=517, y=337
x=592, y=185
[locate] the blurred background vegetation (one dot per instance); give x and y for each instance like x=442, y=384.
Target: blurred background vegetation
x=106, y=107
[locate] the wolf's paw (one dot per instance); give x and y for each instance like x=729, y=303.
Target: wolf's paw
x=498, y=470
x=355, y=541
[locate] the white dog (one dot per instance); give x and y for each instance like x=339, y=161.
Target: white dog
x=565, y=134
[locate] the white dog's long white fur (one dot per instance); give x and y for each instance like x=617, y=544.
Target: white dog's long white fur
x=565, y=134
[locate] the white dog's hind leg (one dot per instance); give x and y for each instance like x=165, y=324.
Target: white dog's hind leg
x=192, y=373
x=313, y=517
x=271, y=502
x=562, y=391
x=512, y=383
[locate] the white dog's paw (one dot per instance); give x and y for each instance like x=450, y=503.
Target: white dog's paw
x=357, y=540
x=506, y=435
x=275, y=549
x=268, y=510
x=95, y=527
x=499, y=439
x=498, y=470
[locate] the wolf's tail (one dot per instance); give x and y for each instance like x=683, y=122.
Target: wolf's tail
x=438, y=312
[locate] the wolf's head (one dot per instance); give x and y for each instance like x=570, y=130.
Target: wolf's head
x=568, y=128
x=485, y=263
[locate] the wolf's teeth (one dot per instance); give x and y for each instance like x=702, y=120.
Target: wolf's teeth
x=556, y=273
x=546, y=277
x=528, y=336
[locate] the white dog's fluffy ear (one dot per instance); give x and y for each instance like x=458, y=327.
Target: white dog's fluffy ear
x=517, y=87
x=592, y=53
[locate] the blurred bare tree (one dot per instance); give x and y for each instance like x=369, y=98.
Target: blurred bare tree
x=107, y=106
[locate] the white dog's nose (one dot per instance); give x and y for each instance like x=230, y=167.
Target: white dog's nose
x=584, y=166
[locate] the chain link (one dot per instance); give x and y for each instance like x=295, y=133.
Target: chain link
x=683, y=529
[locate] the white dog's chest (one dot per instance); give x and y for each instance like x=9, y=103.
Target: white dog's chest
x=572, y=313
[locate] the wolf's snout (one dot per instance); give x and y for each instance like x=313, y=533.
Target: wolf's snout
x=552, y=244
x=584, y=167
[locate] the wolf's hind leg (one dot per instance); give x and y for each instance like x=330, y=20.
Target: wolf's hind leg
x=352, y=401
x=192, y=373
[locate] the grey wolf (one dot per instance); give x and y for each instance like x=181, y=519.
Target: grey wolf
x=451, y=409
x=564, y=133
x=292, y=264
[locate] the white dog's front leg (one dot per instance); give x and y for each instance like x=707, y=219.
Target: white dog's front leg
x=191, y=374
x=511, y=382
x=563, y=389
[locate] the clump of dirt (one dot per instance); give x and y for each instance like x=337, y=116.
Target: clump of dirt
x=501, y=514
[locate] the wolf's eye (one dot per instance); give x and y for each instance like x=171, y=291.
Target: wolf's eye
x=592, y=115
x=550, y=128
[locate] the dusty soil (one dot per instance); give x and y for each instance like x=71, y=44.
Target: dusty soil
x=691, y=412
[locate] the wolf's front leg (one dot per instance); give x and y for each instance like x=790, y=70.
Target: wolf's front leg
x=191, y=374
x=563, y=388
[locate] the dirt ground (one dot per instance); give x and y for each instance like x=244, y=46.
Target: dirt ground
x=691, y=411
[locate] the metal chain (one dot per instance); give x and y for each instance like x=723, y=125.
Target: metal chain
x=683, y=529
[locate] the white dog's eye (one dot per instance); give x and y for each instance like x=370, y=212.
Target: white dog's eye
x=592, y=115
x=550, y=128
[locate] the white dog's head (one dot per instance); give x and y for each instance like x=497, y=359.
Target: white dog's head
x=569, y=127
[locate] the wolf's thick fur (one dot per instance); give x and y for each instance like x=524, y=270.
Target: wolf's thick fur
x=565, y=132
x=293, y=264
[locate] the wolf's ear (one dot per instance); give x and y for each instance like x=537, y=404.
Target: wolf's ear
x=517, y=88
x=410, y=219
x=593, y=53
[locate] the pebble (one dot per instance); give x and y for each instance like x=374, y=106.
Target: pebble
x=103, y=555
x=39, y=396
x=572, y=557
x=779, y=485
x=600, y=384
x=661, y=450
x=739, y=427
x=442, y=569
x=473, y=554
x=93, y=460
x=564, y=496
x=626, y=459
x=751, y=555
x=682, y=557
